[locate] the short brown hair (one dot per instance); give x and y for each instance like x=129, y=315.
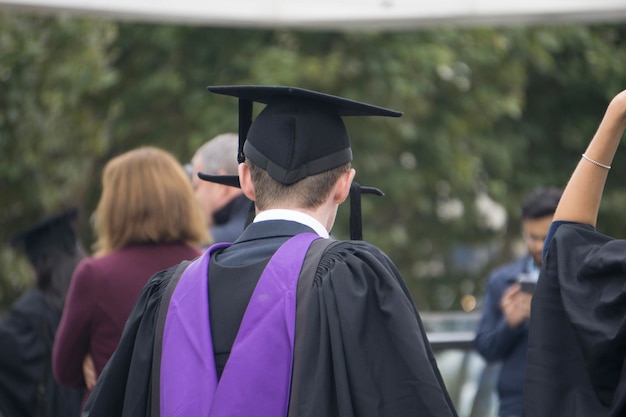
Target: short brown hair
x=308, y=193
x=146, y=198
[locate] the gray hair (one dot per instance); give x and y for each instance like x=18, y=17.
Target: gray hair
x=219, y=153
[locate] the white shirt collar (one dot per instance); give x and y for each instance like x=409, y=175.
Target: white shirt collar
x=294, y=216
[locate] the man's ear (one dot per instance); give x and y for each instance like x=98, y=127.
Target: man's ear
x=245, y=180
x=342, y=188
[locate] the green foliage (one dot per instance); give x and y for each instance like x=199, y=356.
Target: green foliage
x=52, y=125
x=488, y=114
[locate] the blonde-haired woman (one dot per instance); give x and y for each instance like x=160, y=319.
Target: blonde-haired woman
x=147, y=220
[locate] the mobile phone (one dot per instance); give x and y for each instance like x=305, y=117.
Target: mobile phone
x=528, y=282
x=528, y=287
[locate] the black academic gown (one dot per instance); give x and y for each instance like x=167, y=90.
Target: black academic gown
x=577, y=340
x=364, y=352
x=27, y=387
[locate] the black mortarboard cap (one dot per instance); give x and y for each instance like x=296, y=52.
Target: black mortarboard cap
x=299, y=133
x=53, y=233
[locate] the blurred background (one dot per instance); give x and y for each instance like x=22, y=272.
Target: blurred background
x=491, y=110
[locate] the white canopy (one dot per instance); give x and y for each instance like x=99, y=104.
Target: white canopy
x=338, y=14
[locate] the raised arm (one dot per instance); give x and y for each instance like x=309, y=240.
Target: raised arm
x=581, y=198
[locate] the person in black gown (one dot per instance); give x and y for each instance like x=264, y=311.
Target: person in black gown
x=577, y=338
x=285, y=321
x=27, y=331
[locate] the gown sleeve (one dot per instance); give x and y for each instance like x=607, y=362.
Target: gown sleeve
x=365, y=350
x=22, y=348
x=123, y=388
x=578, y=327
x=16, y=333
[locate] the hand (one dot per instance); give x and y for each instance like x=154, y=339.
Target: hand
x=89, y=372
x=515, y=305
x=617, y=109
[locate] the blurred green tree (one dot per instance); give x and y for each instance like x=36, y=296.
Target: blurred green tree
x=53, y=124
x=488, y=114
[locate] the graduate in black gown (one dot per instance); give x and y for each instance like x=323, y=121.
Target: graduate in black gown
x=27, y=331
x=577, y=339
x=285, y=321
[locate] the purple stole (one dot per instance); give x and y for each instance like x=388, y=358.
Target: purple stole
x=257, y=378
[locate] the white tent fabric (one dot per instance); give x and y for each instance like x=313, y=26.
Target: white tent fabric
x=337, y=14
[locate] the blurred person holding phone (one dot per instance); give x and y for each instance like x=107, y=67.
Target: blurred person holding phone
x=502, y=334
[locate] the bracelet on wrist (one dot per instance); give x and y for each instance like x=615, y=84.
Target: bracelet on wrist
x=596, y=163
